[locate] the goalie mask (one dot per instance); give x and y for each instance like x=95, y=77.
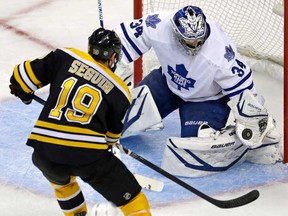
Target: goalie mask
x=191, y=28
x=102, y=44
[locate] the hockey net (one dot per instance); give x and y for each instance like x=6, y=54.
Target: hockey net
x=256, y=27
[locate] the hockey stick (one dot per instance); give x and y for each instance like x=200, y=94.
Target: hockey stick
x=100, y=11
x=145, y=182
x=239, y=201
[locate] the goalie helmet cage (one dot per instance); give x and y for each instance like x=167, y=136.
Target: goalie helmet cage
x=255, y=26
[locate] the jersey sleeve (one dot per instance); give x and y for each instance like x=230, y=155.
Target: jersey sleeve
x=237, y=78
x=32, y=75
x=119, y=101
x=135, y=38
x=115, y=125
x=233, y=73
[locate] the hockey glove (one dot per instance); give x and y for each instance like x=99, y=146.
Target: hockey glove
x=16, y=90
x=253, y=122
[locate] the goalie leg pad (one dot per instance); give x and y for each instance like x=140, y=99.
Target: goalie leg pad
x=165, y=100
x=201, y=156
x=143, y=113
x=269, y=152
x=214, y=152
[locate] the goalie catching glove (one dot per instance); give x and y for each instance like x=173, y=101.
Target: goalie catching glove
x=253, y=121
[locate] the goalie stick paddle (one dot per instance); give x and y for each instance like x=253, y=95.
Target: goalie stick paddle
x=145, y=182
x=232, y=203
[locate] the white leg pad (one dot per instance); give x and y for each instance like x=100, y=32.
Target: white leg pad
x=143, y=113
x=218, y=152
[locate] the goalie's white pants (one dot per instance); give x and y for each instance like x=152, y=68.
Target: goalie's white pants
x=200, y=156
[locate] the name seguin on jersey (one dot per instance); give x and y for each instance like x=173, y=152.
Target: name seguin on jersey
x=82, y=70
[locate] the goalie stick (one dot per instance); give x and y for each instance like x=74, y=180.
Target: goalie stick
x=145, y=182
x=232, y=203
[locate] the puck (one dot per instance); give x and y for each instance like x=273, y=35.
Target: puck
x=247, y=134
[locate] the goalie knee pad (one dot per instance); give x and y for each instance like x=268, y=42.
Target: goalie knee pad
x=139, y=206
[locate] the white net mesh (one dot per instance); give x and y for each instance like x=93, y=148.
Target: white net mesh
x=252, y=24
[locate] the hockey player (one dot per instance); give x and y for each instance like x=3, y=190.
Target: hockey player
x=79, y=123
x=201, y=74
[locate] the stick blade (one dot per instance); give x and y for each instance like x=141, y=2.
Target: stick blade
x=239, y=201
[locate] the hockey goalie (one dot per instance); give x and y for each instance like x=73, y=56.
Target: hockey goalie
x=203, y=75
x=252, y=137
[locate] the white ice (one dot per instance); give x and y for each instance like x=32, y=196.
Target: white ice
x=30, y=29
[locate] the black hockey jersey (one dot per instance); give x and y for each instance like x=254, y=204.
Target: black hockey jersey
x=85, y=106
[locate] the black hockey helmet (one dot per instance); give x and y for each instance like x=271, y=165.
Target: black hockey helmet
x=103, y=43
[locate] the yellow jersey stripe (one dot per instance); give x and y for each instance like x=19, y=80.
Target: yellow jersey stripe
x=31, y=74
x=113, y=135
x=20, y=80
x=66, y=128
x=68, y=143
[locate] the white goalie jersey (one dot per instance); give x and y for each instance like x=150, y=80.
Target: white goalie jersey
x=215, y=71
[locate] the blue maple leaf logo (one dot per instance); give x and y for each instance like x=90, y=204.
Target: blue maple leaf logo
x=152, y=21
x=178, y=76
x=229, y=53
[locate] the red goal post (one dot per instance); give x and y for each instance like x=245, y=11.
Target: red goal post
x=285, y=84
x=255, y=26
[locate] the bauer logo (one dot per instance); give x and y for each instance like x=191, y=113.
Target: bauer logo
x=225, y=145
x=255, y=107
x=195, y=122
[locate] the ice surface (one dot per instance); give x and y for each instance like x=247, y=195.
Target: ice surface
x=28, y=30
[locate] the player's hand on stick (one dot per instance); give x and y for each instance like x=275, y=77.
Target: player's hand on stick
x=16, y=90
